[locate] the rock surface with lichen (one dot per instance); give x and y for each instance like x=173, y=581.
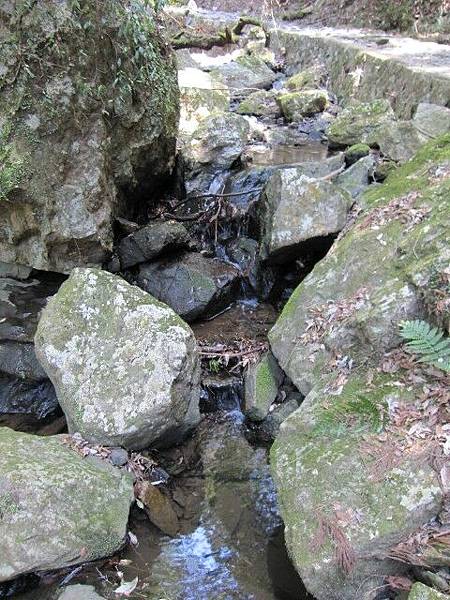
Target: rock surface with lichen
x=125, y=366
x=88, y=119
x=57, y=509
x=350, y=484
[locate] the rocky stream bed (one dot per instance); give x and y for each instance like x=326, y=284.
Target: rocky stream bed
x=203, y=389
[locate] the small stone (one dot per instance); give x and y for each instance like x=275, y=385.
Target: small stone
x=118, y=457
x=158, y=507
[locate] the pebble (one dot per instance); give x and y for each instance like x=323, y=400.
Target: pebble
x=119, y=457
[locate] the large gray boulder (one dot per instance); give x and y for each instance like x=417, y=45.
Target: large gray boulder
x=350, y=490
x=245, y=74
x=360, y=122
x=125, y=367
x=295, y=208
x=100, y=119
x=193, y=285
x=432, y=120
x=218, y=140
x=56, y=508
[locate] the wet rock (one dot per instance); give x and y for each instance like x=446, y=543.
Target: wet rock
x=245, y=73
x=19, y=360
x=201, y=97
x=295, y=208
x=243, y=252
x=356, y=178
x=118, y=457
x=62, y=178
x=218, y=141
x=399, y=141
x=270, y=426
x=432, y=120
x=221, y=393
x=151, y=241
x=74, y=509
x=297, y=105
x=262, y=382
x=311, y=78
x=355, y=153
x=79, y=592
x=422, y=592
x=36, y=398
x=360, y=123
x=158, y=507
x=225, y=453
x=260, y=104
x=194, y=286
x=125, y=367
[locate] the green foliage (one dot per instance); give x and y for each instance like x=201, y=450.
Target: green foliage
x=214, y=365
x=428, y=342
x=358, y=412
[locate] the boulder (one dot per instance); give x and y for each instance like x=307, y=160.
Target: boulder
x=349, y=490
x=125, y=366
x=261, y=104
x=422, y=592
x=201, y=97
x=218, y=141
x=192, y=285
x=262, y=382
x=356, y=178
x=158, y=506
x=243, y=252
x=311, y=78
x=360, y=123
x=356, y=152
x=270, y=426
x=99, y=120
x=432, y=120
x=297, y=105
x=295, y=208
x=74, y=509
x=399, y=141
x=151, y=241
x=245, y=74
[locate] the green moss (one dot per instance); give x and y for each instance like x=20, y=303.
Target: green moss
x=265, y=382
x=11, y=165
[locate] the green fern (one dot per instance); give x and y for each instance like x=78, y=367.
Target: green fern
x=359, y=413
x=428, y=342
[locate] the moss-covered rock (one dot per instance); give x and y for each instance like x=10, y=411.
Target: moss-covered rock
x=262, y=382
x=56, y=508
x=306, y=103
x=355, y=152
x=125, y=366
x=245, y=74
x=308, y=79
x=88, y=112
x=422, y=592
x=261, y=104
x=360, y=123
x=331, y=339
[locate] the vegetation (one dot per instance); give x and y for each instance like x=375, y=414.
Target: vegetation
x=428, y=342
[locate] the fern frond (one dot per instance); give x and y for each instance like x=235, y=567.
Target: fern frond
x=428, y=342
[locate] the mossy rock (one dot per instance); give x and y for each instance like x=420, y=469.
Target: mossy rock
x=125, y=367
x=261, y=104
x=88, y=110
x=355, y=152
x=73, y=509
x=262, y=382
x=360, y=123
x=307, y=103
x=308, y=79
x=374, y=277
x=422, y=592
